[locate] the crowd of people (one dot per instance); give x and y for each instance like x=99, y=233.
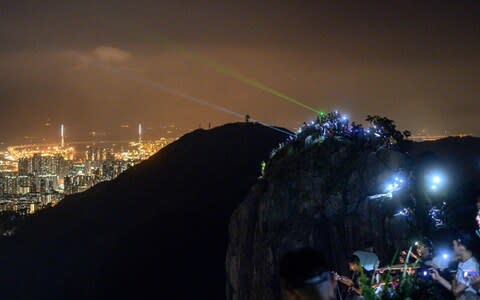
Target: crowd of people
x=431, y=273
x=435, y=274
x=382, y=131
x=335, y=124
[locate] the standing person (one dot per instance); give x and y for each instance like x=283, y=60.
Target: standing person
x=304, y=277
x=428, y=288
x=468, y=267
x=477, y=218
x=425, y=252
x=427, y=257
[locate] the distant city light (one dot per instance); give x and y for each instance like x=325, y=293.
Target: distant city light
x=37, y=176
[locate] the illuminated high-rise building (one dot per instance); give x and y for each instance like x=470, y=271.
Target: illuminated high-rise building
x=45, y=183
x=25, y=166
x=68, y=185
x=1, y=186
x=23, y=185
x=36, y=163
x=10, y=185
x=62, y=134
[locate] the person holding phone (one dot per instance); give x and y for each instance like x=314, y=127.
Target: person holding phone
x=467, y=268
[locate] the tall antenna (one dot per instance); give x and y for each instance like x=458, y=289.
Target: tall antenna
x=62, y=134
x=140, y=133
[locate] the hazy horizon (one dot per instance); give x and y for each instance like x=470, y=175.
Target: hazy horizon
x=95, y=66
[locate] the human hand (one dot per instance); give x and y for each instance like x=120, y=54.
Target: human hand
x=475, y=281
x=435, y=275
x=336, y=277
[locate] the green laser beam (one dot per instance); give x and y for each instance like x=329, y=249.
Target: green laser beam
x=220, y=68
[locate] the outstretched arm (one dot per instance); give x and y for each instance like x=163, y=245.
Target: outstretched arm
x=441, y=280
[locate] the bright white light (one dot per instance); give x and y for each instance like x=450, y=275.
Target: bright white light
x=436, y=179
x=416, y=243
x=425, y=273
x=344, y=118
x=390, y=187
x=445, y=256
x=434, y=187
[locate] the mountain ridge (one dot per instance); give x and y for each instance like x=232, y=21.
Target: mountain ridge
x=138, y=231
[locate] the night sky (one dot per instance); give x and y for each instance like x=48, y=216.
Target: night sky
x=417, y=63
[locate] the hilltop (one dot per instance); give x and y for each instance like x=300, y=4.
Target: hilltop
x=160, y=228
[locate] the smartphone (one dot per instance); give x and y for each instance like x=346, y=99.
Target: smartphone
x=469, y=274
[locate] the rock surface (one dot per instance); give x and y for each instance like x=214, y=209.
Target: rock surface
x=315, y=195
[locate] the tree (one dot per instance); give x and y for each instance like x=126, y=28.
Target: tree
x=387, y=128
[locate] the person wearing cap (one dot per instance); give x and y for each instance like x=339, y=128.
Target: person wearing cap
x=467, y=268
x=304, y=277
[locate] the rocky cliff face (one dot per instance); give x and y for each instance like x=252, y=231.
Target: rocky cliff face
x=314, y=193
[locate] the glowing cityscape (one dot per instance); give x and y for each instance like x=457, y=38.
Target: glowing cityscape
x=36, y=176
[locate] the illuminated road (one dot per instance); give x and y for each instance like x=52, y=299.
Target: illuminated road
x=428, y=138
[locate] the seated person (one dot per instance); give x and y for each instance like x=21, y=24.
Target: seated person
x=354, y=290
x=368, y=259
x=304, y=277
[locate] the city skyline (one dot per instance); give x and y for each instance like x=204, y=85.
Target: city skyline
x=37, y=176
x=103, y=67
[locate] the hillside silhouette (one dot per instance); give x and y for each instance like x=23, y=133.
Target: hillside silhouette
x=161, y=227
x=158, y=229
